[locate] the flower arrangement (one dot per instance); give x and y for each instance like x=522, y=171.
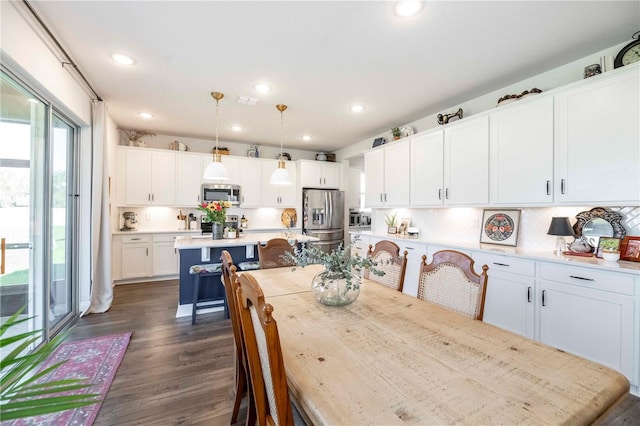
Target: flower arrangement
x=216, y=211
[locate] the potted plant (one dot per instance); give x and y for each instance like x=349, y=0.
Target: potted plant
x=339, y=283
x=395, y=131
x=232, y=232
x=390, y=220
x=610, y=249
x=134, y=136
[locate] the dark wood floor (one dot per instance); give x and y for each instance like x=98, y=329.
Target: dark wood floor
x=174, y=373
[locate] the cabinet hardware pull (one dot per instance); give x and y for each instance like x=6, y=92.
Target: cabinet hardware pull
x=562, y=186
x=501, y=264
x=320, y=179
x=381, y=197
x=149, y=196
x=408, y=248
x=543, y=301
x=135, y=239
x=153, y=196
x=446, y=194
x=385, y=197
x=529, y=294
x=440, y=194
x=581, y=278
x=548, y=187
x=147, y=251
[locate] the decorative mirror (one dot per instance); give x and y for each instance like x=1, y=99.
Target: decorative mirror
x=598, y=222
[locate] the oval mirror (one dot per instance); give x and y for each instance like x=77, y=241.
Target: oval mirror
x=596, y=228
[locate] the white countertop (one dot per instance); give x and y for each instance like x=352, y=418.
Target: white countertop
x=203, y=241
x=199, y=231
x=547, y=256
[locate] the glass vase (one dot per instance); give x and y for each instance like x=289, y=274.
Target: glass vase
x=217, y=230
x=335, y=288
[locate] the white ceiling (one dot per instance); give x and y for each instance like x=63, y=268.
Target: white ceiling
x=320, y=57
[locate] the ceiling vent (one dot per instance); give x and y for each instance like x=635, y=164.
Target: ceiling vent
x=248, y=100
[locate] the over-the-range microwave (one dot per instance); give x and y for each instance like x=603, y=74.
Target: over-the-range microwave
x=221, y=192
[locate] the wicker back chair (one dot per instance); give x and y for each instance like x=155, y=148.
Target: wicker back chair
x=387, y=255
x=264, y=355
x=271, y=254
x=451, y=282
x=229, y=278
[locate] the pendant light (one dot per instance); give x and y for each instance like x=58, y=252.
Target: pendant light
x=216, y=170
x=280, y=175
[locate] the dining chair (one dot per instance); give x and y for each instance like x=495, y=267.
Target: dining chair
x=271, y=254
x=264, y=356
x=451, y=282
x=387, y=256
x=242, y=385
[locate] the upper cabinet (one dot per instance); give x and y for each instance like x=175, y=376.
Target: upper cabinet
x=597, y=140
x=387, y=175
x=147, y=177
x=278, y=195
x=353, y=187
x=188, y=177
x=319, y=174
x=466, y=162
x=521, y=153
x=427, y=169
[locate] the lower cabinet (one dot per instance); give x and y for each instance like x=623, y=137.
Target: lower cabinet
x=165, y=256
x=415, y=251
x=590, y=314
x=144, y=256
x=135, y=256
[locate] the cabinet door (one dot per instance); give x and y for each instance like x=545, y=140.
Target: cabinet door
x=163, y=178
x=397, y=174
x=288, y=193
x=412, y=273
x=331, y=175
x=189, y=178
x=311, y=174
x=427, y=160
x=596, y=135
x=466, y=162
x=509, y=302
x=234, y=165
x=594, y=324
x=374, y=178
x=353, y=188
x=270, y=193
x=138, y=177
x=136, y=260
x=521, y=161
x=251, y=187
x=165, y=258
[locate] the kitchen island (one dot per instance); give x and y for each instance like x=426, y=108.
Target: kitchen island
x=202, y=249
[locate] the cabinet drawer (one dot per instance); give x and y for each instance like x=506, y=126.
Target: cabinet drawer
x=128, y=239
x=607, y=281
x=163, y=238
x=504, y=263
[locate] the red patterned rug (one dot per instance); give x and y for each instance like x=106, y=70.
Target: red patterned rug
x=95, y=360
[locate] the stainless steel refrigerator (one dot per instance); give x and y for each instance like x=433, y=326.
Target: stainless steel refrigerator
x=323, y=217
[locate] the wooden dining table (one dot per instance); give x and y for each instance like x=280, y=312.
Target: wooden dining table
x=389, y=358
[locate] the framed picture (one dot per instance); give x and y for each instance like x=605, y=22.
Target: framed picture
x=607, y=243
x=500, y=226
x=404, y=225
x=630, y=249
x=392, y=230
x=378, y=142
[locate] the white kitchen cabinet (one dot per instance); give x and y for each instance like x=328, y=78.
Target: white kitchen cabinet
x=251, y=182
x=278, y=195
x=233, y=165
x=415, y=251
x=189, y=179
x=521, y=152
x=589, y=313
x=466, y=162
x=510, y=294
x=597, y=129
x=387, y=175
x=136, y=256
x=165, y=256
x=149, y=176
x=353, y=188
x=427, y=169
x=319, y=174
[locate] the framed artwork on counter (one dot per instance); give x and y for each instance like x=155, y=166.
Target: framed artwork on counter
x=630, y=249
x=500, y=226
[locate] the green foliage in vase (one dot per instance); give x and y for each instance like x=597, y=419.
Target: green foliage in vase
x=21, y=393
x=338, y=264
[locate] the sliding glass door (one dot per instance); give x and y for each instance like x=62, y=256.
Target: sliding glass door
x=37, y=208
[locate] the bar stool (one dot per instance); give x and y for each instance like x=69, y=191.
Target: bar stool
x=203, y=271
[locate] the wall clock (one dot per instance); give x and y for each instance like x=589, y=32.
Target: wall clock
x=289, y=217
x=630, y=53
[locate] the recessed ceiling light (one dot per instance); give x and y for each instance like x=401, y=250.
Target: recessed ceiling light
x=236, y=128
x=145, y=115
x=122, y=59
x=357, y=108
x=262, y=88
x=407, y=8
x=306, y=138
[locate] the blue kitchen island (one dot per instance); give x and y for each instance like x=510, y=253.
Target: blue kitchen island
x=202, y=249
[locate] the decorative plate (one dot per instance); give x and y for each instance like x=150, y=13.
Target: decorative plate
x=289, y=217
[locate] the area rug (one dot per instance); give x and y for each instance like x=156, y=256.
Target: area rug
x=96, y=361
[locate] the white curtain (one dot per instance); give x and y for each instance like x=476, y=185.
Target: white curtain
x=101, y=282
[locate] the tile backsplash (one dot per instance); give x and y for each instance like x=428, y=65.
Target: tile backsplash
x=463, y=224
